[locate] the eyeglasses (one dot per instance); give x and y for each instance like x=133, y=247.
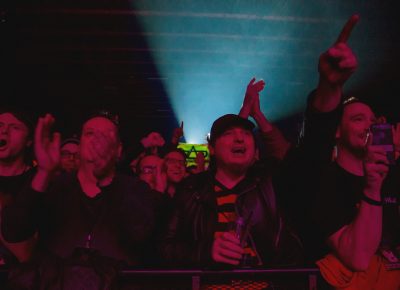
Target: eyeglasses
x=69, y=154
x=148, y=169
x=173, y=161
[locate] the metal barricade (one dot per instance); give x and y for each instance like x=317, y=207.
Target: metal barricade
x=274, y=279
x=196, y=279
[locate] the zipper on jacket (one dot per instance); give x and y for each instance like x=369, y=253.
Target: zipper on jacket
x=250, y=237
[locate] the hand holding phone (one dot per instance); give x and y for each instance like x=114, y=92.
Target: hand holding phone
x=382, y=136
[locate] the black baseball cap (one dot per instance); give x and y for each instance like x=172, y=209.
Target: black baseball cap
x=348, y=100
x=227, y=121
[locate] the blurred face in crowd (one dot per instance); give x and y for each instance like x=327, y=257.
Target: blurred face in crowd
x=148, y=167
x=175, y=164
x=70, y=157
x=354, y=127
x=99, y=140
x=235, y=149
x=13, y=137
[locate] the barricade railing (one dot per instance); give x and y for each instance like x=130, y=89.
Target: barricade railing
x=196, y=279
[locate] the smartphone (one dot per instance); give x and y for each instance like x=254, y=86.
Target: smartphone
x=382, y=135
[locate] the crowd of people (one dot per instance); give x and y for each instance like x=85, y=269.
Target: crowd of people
x=331, y=200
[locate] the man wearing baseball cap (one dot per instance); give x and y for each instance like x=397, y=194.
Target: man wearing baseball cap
x=201, y=232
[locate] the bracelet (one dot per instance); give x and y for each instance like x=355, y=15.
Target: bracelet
x=371, y=201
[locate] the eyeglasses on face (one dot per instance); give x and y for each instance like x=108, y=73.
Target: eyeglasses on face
x=148, y=169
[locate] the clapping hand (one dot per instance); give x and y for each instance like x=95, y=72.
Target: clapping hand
x=251, y=103
x=154, y=139
x=47, y=145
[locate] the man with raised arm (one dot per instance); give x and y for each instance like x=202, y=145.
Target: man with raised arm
x=348, y=193
x=207, y=204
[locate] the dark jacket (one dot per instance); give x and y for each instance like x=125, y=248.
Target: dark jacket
x=117, y=222
x=190, y=234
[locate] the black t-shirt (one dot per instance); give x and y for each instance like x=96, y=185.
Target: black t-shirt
x=10, y=185
x=9, y=188
x=296, y=183
x=338, y=198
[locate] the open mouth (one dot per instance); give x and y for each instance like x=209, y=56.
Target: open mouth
x=3, y=143
x=238, y=150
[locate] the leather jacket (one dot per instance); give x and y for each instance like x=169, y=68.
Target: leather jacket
x=190, y=233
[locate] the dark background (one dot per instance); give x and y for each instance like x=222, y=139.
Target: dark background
x=69, y=57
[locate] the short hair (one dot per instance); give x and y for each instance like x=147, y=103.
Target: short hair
x=106, y=114
x=352, y=100
x=22, y=115
x=178, y=150
x=349, y=100
x=27, y=118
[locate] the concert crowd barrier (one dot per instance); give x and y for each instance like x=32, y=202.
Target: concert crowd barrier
x=179, y=279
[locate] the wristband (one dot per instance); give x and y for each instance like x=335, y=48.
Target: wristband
x=371, y=201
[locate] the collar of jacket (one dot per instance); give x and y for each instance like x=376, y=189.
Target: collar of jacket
x=204, y=187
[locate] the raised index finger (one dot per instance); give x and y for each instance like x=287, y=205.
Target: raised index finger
x=348, y=27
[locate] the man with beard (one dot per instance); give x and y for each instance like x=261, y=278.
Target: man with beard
x=347, y=204
x=357, y=205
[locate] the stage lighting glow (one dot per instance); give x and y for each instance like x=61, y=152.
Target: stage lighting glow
x=191, y=151
x=208, y=51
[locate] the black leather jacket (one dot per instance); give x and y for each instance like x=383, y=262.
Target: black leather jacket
x=190, y=234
